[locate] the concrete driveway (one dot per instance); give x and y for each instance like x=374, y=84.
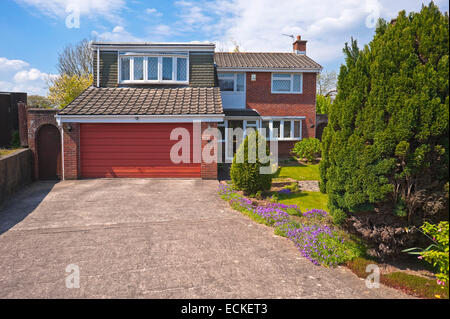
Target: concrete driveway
x=153, y=238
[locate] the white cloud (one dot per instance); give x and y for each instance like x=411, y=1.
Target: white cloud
x=16, y=76
x=193, y=14
x=91, y=8
x=118, y=34
x=258, y=25
x=9, y=65
x=153, y=12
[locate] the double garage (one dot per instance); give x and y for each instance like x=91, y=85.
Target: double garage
x=127, y=132
x=132, y=150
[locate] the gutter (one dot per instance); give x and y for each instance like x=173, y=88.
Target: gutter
x=181, y=118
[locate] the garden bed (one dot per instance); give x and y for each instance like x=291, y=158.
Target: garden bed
x=320, y=241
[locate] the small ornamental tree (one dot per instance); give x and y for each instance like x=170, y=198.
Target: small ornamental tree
x=387, y=137
x=245, y=170
x=64, y=89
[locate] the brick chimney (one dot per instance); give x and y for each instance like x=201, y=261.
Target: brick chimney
x=299, y=46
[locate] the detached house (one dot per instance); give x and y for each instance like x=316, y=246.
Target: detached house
x=121, y=126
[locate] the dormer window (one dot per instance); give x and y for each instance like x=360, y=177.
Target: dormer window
x=153, y=68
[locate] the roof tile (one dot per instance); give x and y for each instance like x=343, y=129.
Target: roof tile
x=145, y=101
x=274, y=60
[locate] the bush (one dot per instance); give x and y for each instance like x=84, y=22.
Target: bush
x=15, y=140
x=308, y=148
x=387, y=136
x=437, y=253
x=246, y=176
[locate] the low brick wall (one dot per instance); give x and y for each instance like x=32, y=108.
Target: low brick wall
x=15, y=172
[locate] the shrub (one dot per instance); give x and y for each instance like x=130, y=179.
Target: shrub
x=246, y=176
x=15, y=140
x=308, y=148
x=387, y=136
x=338, y=216
x=437, y=253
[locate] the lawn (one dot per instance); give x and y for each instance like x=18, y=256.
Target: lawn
x=306, y=200
x=4, y=152
x=309, y=172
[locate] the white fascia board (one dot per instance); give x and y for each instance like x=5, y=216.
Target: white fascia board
x=159, y=48
x=138, y=118
x=243, y=117
x=267, y=118
x=269, y=70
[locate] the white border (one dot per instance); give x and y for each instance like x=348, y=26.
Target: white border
x=138, y=118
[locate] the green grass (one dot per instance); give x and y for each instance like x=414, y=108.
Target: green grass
x=412, y=284
x=419, y=286
x=306, y=200
x=300, y=172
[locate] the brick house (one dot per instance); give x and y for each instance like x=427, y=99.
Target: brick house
x=122, y=125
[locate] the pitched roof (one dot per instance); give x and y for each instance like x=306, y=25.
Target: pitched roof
x=264, y=60
x=146, y=101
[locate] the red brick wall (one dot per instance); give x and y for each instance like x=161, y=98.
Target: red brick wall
x=71, y=151
x=260, y=98
x=208, y=171
x=35, y=119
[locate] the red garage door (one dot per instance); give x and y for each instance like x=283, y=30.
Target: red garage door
x=131, y=150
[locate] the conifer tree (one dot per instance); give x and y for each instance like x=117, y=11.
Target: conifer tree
x=387, y=137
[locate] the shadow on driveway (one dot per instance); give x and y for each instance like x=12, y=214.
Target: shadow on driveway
x=21, y=204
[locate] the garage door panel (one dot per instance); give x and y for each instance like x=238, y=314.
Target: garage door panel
x=132, y=150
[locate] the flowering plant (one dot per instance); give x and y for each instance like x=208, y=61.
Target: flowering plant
x=437, y=253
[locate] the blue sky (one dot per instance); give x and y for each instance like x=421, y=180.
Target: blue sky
x=34, y=31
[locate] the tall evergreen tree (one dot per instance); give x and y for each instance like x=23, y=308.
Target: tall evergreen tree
x=386, y=143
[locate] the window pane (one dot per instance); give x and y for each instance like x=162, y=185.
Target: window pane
x=265, y=125
x=240, y=81
x=287, y=129
x=167, y=68
x=282, y=75
x=152, y=68
x=281, y=86
x=226, y=75
x=138, y=68
x=125, y=69
x=297, y=83
x=226, y=84
x=297, y=129
x=276, y=129
x=181, y=69
x=235, y=123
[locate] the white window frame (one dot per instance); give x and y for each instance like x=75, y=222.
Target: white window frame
x=221, y=75
x=281, y=137
x=159, y=80
x=245, y=125
x=291, y=91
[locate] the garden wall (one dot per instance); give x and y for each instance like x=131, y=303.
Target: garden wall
x=15, y=172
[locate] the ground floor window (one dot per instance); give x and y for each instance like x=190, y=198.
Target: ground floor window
x=285, y=129
x=276, y=129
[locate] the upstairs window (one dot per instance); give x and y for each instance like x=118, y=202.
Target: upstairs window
x=287, y=83
x=232, y=82
x=153, y=69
